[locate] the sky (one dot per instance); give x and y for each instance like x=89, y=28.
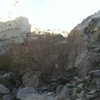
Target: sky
x=50, y=14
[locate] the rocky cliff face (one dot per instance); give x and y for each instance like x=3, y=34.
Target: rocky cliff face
x=82, y=77
x=89, y=33
x=13, y=32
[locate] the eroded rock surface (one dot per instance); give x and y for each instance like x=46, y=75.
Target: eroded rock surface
x=13, y=32
x=88, y=32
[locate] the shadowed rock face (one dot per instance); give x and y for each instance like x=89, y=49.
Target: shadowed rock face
x=13, y=32
x=89, y=31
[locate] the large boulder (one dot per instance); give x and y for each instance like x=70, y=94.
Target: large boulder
x=14, y=31
x=28, y=93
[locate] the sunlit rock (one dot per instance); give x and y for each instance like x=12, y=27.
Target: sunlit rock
x=14, y=31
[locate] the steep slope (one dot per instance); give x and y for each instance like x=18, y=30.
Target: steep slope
x=13, y=32
x=88, y=34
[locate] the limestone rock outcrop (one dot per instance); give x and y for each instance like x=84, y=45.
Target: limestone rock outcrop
x=88, y=38
x=14, y=31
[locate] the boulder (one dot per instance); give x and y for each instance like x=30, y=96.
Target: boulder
x=23, y=93
x=64, y=94
x=9, y=75
x=28, y=93
x=12, y=78
x=34, y=97
x=31, y=79
x=58, y=89
x=4, y=90
x=91, y=96
x=6, y=83
x=40, y=97
x=95, y=73
x=9, y=97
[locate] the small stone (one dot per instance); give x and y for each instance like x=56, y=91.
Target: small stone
x=95, y=73
x=74, y=91
x=80, y=85
x=9, y=97
x=86, y=78
x=64, y=94
x=78, y=79
x=91, y=96
x=92, y=91
x=98, y=82
x=78, y=99
x=58, y=89
x=81, y=94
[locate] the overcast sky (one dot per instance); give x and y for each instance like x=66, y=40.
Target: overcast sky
x=59, y=14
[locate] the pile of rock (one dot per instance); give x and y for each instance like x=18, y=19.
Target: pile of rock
x=86, y=88
x=8, y=86
x=78, y=88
